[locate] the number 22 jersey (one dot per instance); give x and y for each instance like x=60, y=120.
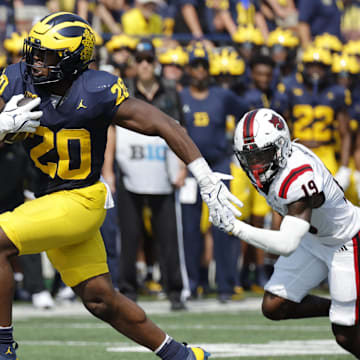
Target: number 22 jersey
x=337, y=220
x=68, y=147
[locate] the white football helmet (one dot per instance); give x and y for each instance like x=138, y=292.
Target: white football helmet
x=262, y=144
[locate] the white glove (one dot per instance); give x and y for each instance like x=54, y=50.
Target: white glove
x=343, y=177
x=225, y=221
x=16, y=118
x=214, y=192
x=217, y=197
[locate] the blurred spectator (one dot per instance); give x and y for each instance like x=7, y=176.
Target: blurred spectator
x=86, y=9
x=200, y=18
x=243, y=12
x=317, y=109
x=5, y=19
x=206, y=109
x=258, y=95
x=29, y=11
x=228, y=68
x=328, y=42
x=259, y=92
x=352, y=48
x=283, y=46
x=317, y=17
x=14, y=46
x=248, y=41
x=350, y=26
x=346, y=70
x=110, y=13
x=121, y=55
x=151, y=173
x=110, y=228
x=143, y=20
x=173, y=61
x=276, y=13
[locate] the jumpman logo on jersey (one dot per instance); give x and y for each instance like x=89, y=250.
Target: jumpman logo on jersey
x=8, y=352
x=81, y=105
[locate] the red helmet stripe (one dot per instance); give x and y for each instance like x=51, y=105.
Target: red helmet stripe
x=248, y=130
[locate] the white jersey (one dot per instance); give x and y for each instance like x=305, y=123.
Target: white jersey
x=336, y=220
x=146, y=162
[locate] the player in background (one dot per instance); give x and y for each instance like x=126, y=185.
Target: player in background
x=173, y=61
x=258, y=94
x=318, y=237
x=121, y=55
x=346, y=69
x=316, y=109
x=283, y=45
x=66, y=141
x=206, y=109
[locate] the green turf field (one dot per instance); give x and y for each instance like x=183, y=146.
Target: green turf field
x=229, y=332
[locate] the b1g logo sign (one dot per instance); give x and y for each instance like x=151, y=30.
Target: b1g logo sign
x=148, y=152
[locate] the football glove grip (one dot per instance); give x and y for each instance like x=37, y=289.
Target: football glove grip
x=16, y=118
x=279, y=242
x=214, y=192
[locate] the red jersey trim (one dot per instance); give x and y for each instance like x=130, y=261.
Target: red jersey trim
x=294, y=174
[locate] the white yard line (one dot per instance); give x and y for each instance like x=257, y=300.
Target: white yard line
x=151, y=308
x=277, y=327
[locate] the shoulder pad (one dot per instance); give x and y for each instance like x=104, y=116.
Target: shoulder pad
x=290, y=186
x=97, y=81
x=298, y=179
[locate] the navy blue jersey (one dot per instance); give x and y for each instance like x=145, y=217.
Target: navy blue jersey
x=242, y=12
x=205, y=120
x=255, y=99
x=354, y=109
x=312, y=115
x=68, y=146
x=322, y=16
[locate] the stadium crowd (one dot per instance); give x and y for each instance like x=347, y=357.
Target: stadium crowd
x=205, y=63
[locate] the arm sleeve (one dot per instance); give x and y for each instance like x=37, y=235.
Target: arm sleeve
x=279, y=242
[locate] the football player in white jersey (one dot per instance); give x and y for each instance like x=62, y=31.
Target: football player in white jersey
x=319, y=235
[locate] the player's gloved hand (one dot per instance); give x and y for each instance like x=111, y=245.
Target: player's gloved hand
x=343, y=177
x=218, y=198
x=16, y=118
x=214, y=192
x=224, y=221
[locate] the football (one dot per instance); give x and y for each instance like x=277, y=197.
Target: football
x=14, y=137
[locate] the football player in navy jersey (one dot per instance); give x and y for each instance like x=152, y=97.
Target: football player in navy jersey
x=66, y=141
x=205, y=110
x=317, y=109
x=258, y=95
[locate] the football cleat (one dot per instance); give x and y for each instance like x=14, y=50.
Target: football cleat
x=7, y=351
x=196, y=353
